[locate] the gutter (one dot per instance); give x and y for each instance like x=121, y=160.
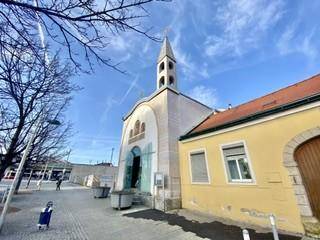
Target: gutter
x=255, y=116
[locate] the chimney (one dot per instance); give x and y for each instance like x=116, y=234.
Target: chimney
x=229, y=106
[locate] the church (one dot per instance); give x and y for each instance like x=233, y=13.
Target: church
x=150, y=136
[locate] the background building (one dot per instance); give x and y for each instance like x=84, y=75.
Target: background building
x=80, y=172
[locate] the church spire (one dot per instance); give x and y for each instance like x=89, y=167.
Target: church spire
x=166, y=66
x=166, y=50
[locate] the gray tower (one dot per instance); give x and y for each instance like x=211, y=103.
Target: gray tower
x=166, y=67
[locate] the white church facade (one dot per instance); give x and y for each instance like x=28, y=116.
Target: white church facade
x=150, y=135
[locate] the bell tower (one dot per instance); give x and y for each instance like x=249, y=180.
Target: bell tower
x=166, y=67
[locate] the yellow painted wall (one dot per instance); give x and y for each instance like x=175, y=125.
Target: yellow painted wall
x=265, y=143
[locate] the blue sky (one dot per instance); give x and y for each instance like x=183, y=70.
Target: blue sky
x=227, y=51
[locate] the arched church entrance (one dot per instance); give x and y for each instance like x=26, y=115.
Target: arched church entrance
x=138, y=169
x=307, y=156
x=133, y=169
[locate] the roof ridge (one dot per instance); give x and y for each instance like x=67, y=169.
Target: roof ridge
x=268, y=94
x=307, y=88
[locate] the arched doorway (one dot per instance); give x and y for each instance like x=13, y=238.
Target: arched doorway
x=133, y=168
x=307, y=156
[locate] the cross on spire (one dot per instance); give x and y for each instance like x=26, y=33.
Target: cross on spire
x=165, y=32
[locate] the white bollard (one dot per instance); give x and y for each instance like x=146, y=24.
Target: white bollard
x=274, y=227
x=245, y=234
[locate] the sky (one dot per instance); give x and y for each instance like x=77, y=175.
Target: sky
x=227, y=51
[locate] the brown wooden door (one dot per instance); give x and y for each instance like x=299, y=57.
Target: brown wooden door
x=308, y=158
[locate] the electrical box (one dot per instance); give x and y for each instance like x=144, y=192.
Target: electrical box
x=158, y=179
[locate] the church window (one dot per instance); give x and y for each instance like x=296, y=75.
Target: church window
x=171, y=81
x=143, y=127
x=161, y=81
x=170, y=65
x=161, y=67
x=131, y=133
x=137, y=127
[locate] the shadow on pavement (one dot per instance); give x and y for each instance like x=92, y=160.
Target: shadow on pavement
x=11, y=209
x=212, y=230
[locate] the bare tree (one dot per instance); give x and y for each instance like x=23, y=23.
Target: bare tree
x=31, y=88
x=73, y=23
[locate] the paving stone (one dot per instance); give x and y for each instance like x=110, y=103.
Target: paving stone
x=78, y=216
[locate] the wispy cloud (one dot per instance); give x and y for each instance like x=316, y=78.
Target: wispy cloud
x=205, y=95
x=242, y=24
x=190, y=68
x=115, y=102
x=293, y=42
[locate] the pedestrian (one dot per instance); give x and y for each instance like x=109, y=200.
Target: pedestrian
x=58, y=184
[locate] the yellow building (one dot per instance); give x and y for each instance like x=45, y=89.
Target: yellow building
x=257, y=159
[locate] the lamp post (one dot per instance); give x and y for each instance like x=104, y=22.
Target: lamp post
x=44, y=173
x=65, y=163
x=21, y=164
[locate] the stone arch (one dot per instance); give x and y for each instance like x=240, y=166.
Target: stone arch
x=294, y=172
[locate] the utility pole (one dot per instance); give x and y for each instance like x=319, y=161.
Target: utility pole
x=44, y=173
x=65, y=163
x=111, y=156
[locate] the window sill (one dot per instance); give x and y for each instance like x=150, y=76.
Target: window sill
x=200, y=183
x=242, y=182
x=136, y=138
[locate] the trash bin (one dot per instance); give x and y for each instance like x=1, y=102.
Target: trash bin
x=100, y=192
x=45, y=216
x=121, y=199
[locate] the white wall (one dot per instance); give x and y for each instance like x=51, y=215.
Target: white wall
x=143, y=113
x=167, y=115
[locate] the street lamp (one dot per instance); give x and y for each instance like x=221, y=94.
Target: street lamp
x=19, y=170
x=65, y=163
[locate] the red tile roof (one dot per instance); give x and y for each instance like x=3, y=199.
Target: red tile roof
x=273, y=100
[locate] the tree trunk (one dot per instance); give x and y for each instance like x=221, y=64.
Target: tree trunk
x=11, y=151
x=2, y=170
x=19, y=180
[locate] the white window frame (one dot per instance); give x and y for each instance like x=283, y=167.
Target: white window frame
x=251, y=181
x=200, y=150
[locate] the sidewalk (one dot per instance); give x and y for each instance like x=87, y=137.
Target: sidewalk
x=79, y=216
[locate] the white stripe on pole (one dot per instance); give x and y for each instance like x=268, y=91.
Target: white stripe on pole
x=274, y=227
x=41, y=33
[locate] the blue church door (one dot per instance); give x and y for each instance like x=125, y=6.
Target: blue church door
x=138, y=169
x=133, y=169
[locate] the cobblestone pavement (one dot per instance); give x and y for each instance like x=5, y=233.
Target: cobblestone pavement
x=77, y=215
